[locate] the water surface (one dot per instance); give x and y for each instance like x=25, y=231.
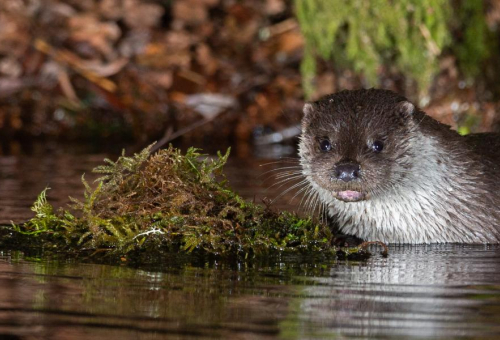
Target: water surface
x=447, y=292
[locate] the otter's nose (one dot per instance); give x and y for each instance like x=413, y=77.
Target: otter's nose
x=347, y=171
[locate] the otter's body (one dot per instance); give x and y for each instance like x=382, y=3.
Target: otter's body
x=386, y=171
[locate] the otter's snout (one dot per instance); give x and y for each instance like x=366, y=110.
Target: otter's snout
x=347, y=171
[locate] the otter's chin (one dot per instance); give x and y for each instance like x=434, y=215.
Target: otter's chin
x=350, y=196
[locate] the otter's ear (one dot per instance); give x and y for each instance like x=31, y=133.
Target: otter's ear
x=406, y=108
x=308, y=109
x=309, y=114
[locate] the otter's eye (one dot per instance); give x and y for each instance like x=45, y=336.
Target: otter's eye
x=377, y=146
x=325, y=145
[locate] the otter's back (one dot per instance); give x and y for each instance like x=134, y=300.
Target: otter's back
x=487, y=146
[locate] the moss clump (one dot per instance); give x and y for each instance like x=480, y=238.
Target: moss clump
x=170, y=202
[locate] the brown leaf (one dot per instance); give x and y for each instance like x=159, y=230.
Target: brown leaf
x=205, y=58
x=159, y=78
x=142, y=15
x=190, y=12
x=210, y=104
x=105, y=69
x=273, y=7
x=290, y=42
x=160, y=56
x=101, y=35
x=111, y=9
x=14, y=37
x=10, y=67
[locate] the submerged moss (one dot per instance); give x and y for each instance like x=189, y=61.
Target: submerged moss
x=170, y=202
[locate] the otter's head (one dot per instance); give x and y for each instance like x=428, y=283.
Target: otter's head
x=356, y=145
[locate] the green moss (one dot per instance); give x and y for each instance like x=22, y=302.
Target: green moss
x=476, y=41
x=468, y=124
x=170, y=202
x=405, y=36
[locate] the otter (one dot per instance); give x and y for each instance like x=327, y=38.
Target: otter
x=386, y=171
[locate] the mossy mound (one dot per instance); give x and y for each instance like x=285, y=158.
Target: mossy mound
x=170, y=202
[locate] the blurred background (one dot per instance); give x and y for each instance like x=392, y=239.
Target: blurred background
x=99, y=75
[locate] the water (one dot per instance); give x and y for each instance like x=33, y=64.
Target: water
x=446, y=292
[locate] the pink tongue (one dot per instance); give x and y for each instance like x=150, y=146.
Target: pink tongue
x=350, y=195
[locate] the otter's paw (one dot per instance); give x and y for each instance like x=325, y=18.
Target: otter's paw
x=342, y=240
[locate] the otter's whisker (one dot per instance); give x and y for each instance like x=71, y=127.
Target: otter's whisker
x=324, y=213
x=299, y=191
x=282, y=182
x=298, y=168
x=308, y=201
x=288, y=190
x=305, y=196
x=316, y=206
x=312, y=207
x=282, y=161
x=284, y=175
x=288, y=175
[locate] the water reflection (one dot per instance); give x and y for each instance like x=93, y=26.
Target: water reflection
x=23, y=178
x=412, y=293
x=429, y=291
